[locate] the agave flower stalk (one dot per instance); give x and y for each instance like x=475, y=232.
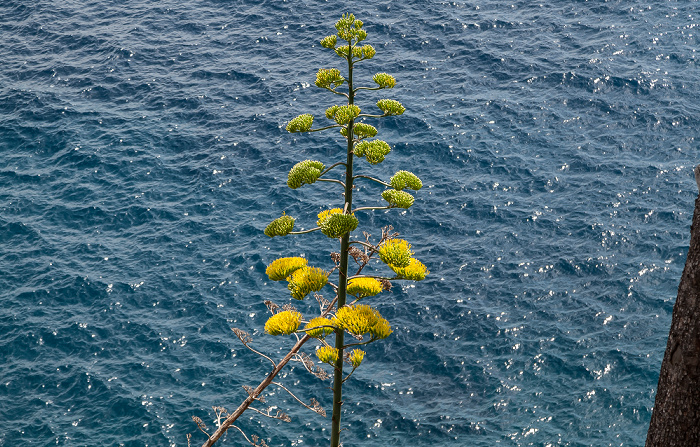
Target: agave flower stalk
x=360, y=320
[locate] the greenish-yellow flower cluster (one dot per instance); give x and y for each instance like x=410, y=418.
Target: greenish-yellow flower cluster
x=319, y=327
x=283, y=323
x=360, y=130
x=396, y=252
x=405, y=179
x=327, y=354
x=301, y=123
x=281, y=268
x=343, y=114
x=281, y=226
x=374, y=151
x=390, y=107
x=306, y=280
x=384, y=80
x=329, y=41
x=361, y=319
x=415, y=271
x=364, y=287
x=368, y=51
x=329, y=78
x=399, y=199
x=356, y=357
x=304, y=172
x=350, y=29
x=336, y=224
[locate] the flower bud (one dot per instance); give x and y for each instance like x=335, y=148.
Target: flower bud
x=281, y=226
x=343, y=114
x=405, y=179
x=329, y=78
x=362, y=130
x=304, y=172
x=390, y=107
x=374, y=151
x=384, y=80
x=343, y=51
x=399, y=199
x=368, y=51
x=337, y=224
x=301, y=123
x=330, y=112
x=329, y=41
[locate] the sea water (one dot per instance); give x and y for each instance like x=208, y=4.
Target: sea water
x=143, y=151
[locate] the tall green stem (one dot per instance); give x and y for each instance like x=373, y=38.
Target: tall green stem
x=343, y=275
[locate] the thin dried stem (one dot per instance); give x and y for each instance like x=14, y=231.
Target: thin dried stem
x=245, y=339
x=268, y=413
x=316, y=409
x=259, y=389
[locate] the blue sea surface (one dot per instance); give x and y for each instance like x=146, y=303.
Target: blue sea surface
x=143, y=151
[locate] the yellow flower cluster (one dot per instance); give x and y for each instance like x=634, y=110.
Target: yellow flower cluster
x=356, y=357
x=284, y=322
x=360, y=319
x=414, y=271
x=281, y=268
x=323, y=215
x=326, y=354
x=363, y=287
x=306, y=280
x=395, y=252
x=319, y=327
x=334, y=223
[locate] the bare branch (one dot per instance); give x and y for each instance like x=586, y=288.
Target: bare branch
x=245, y=338
x=221, y=413
x=272, y=307
x=254, y=441
x=264, y=384
x=315, y=406
x=268, y=413
x=201, y=425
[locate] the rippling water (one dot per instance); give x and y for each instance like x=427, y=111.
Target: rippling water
x=142, y=152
